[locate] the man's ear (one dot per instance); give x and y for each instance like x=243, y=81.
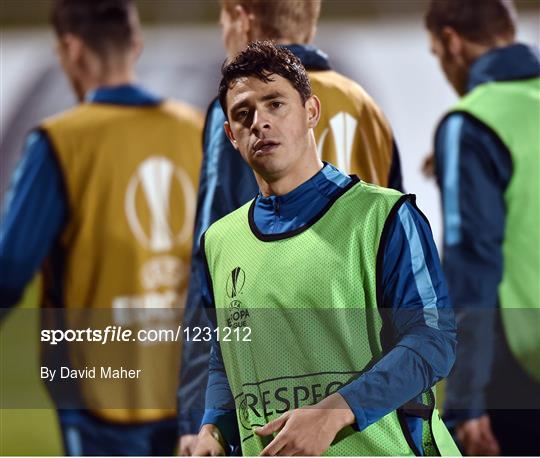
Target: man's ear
x=452, y=41
x=73, y=47
x=311, y=36
x=230, y=134
x=138, y=46
x=244, y=21
x=313, y=110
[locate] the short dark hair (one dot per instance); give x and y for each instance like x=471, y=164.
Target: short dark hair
x=262, y=59
x=480, y=21
x=104, y=25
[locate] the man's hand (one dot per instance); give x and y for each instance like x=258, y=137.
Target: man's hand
x=186, y=445
x=209, y=442
x=476, y=437
x=307, y=431
x=428, y=166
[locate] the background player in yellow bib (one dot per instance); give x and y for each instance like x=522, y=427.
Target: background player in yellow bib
x=103, y=203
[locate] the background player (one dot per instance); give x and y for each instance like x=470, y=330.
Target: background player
x=102, y=200
x=487, y=151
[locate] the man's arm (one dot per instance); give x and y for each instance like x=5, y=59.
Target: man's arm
x=193, y=375
x=33, y=214
x=219, y=430
x=420, y=338
x=215, y=405
x=226, y=182
x=420, y=345
x=219, y=406
x=473, y=170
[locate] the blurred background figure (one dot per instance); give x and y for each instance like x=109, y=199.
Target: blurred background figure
x=102, y=199
x=352, y=134
x=487, y=163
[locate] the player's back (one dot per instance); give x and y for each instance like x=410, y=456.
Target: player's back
x=130, y=174
x=352, y=132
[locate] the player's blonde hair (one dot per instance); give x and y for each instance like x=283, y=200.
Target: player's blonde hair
x=292, y=20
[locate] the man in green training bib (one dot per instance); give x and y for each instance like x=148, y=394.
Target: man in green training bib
x=331, y=316
x=487, y=156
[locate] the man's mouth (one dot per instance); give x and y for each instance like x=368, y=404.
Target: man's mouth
x=264, y=147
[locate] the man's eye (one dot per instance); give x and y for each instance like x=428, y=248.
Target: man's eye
x=276, y=104
x=242, y=114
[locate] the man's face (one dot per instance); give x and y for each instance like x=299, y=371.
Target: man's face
x=232, y=32
x=269, y=124
x=452, y=64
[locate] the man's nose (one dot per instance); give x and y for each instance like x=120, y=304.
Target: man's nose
x=259, y=122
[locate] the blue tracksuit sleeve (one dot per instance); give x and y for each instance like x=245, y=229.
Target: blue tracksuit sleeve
x=33, y=213
x=473, y=169
x=220, y=408
x=194, y=360
x=419, y=330
x=219, y=404
x=226, y=182
x=204, y=369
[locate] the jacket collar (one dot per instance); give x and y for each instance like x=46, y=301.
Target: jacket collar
x=514, y=62
x=312, y=58
x=126, y=94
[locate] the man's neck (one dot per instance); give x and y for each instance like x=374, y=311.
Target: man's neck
x=119, y=78
x=287, y=42
x=474, y=51
x=289, y=181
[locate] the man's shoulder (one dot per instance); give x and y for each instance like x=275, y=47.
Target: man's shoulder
x=334, y=81
x=87, y=116
x=63, y=117
x=339, y=93
x=456, y=127
x=214, y=116
x=365, y=197
x=183, y=112
x=458, y=123
x=228, y=223
x=375, y=192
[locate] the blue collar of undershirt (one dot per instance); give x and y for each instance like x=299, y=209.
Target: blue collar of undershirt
x=312, y=58
x=279, y=214
x=514, y=62
x=125, y=94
